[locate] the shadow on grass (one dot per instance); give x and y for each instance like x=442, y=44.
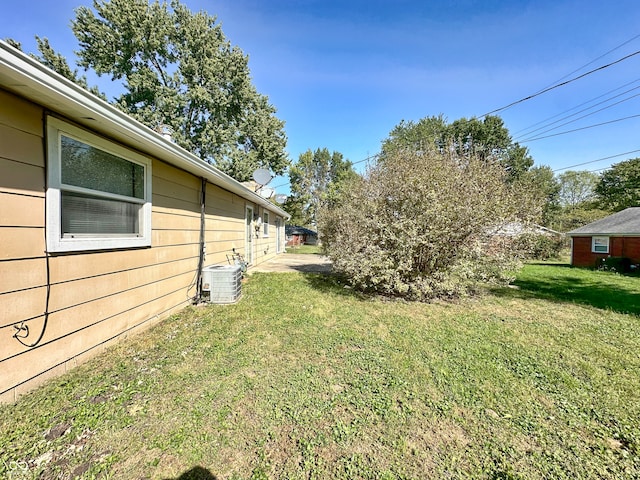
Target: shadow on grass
x=562, y=283
x=196, y=473
x=332, y=283
x=555, y=282
x=313, y=268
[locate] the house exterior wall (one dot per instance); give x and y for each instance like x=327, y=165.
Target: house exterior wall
x=582, y=256
x=265, y=245
x=95, y=297
x=626, y=247
x=296, y=240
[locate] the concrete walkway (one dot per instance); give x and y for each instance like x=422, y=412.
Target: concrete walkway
x=295, y=262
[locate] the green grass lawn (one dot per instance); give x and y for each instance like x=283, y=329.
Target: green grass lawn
x=304, y=379
x=307, y=249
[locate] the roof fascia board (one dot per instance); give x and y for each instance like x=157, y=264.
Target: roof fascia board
x=609, y=234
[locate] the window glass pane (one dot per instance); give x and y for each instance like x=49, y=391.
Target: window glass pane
x=601, y=244
x=89, y=167
x=82, y=214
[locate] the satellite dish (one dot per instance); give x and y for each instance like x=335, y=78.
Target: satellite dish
x=262, y=176
x=281, y=198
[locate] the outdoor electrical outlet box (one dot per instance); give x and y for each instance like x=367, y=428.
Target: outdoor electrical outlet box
x=223, y=283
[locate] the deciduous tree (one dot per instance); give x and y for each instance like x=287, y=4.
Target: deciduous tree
x=577, y=187
x=317, y=179
x=57, y=62
x=487, y=139
x=541, y=182
x=619, y=186
x=181, y=73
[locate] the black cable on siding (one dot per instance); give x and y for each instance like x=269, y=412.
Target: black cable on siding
x=22, y=330
x=203, y=197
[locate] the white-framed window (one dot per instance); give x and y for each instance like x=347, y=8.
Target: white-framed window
x=600, y=244
x=98, y=193
x=265, y=224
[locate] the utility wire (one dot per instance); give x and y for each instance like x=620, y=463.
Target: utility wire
x=579, y=118
x=557, y=85
x=595, y=60
x=370, y=157
x=626, y=57
x=577, y=70
x=529, y=131
x=598, y=170
x=582, y=128
x=596, y=160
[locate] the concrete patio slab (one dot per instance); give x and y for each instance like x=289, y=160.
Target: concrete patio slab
x=292, y=262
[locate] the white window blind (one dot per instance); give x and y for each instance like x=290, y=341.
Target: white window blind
x=100, y=216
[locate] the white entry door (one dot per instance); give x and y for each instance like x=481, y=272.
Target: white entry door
x=248, y=241
x=278, y=235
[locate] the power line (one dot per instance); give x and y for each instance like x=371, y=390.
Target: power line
x=529, y=131
x=596, y=160
x=281, y=185
x=582, y=128
x=561, y=84
x=577, y=70
x=583, y=116
x=597, y=170
x=370, y=157
x=595, y=60
x=557, y=85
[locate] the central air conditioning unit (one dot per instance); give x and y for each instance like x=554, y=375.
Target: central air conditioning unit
x=222, y=283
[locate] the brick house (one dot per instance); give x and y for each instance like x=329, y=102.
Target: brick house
x=617, y=235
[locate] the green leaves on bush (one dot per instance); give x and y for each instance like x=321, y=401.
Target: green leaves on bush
x=539, y=246
x=423, y=224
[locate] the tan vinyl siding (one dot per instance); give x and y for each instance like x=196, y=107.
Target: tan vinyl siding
x=85, y=340
x=19, y=275
x=266, y=245
x=97, y=297
x=20, y=115
x=21, y=210
x=22, y=234
x=21, y=183
x=21, y=146
x=21, y=305
x=21, y=178
x=94, y=296
x=21, y=242
x=224, y=224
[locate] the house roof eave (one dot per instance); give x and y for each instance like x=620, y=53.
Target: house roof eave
x=601, y=234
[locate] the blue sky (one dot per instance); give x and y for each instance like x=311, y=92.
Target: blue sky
x=342, y=74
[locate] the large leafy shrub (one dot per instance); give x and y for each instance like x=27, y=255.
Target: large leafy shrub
x=419, y=225
x=541, y=247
